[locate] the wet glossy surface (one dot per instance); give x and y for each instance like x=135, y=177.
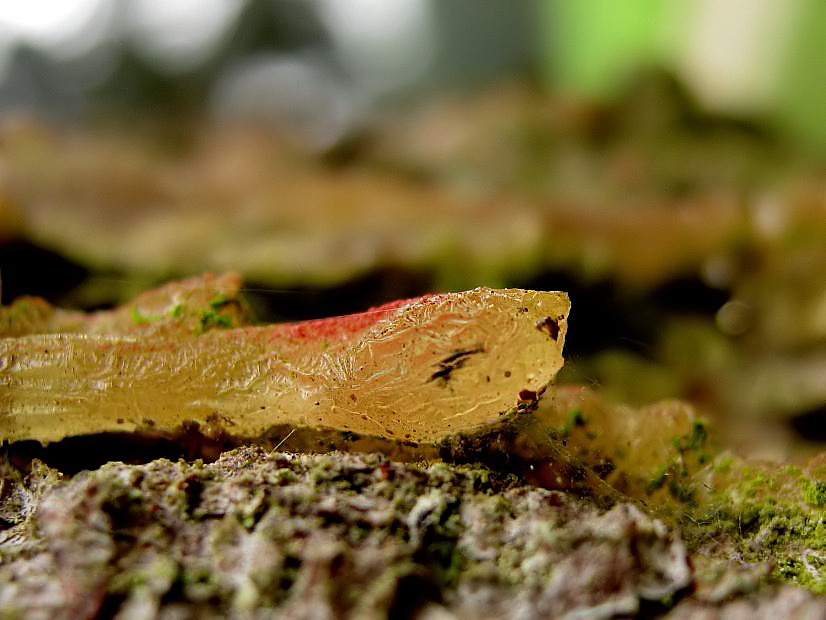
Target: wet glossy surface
x=413, y=371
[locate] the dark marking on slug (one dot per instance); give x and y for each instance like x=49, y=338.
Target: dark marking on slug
x=550, y=325
x=453, y=362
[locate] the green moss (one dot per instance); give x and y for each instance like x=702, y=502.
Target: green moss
x=682, y=488
x=657, y=480
x=574, y=420
x=678, y=474
x=198, y=584
x=754, y=484
x=694, y=442
x=217, y=314
x=157, y=575
x=814, y=492
x=807, y=570
x=210, y=319
x=723, y=464
x=177, y=311
x=138, y=318
x=780, y=536
x=219, y=301
x=765, y=515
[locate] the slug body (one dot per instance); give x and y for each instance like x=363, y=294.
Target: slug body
x=415, y=370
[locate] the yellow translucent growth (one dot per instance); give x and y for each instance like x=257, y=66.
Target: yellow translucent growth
x=417, y=371
x=180, y=308
x=649, y=452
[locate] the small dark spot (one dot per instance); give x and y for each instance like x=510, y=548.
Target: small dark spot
x=218, y=419
x=384, y=471
x=193, y=491
x=528, y=395
x=555, y=499
x=317, y=403
x=264, y=406
x=507, y=373
x=353, y=397
x=119, y=420
x=487, y=378
x=413, y=592
x=190, y=426
x=149, y=422
x=389, y=432
x=364, y=417
x=603, y=468
x=524, y=309
x=549, y=325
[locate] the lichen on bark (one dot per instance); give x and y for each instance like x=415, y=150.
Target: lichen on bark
x=268, y=534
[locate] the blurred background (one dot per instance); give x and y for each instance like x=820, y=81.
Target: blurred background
x=663, y=163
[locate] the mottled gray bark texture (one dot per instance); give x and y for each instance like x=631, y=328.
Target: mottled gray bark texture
x=273, y=535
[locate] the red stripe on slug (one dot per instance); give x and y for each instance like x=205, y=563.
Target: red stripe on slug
x=346, y=325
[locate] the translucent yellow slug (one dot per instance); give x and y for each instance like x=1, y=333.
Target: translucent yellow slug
x=415, y=370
